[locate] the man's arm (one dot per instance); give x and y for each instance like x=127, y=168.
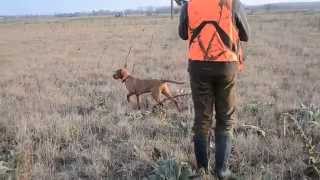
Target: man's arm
x=241, y=21
x=183, y=25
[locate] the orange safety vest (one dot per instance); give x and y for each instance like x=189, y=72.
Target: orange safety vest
x=213, y=35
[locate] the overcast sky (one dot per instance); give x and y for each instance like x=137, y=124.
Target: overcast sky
x=15, y=7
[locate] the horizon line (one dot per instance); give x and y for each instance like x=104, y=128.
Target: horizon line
x=137, y=8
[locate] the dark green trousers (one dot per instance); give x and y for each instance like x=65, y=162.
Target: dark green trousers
x=213, y=87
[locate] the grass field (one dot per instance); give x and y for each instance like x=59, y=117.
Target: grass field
x=62, y=116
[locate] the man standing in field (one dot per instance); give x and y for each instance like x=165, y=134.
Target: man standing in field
x=214, y=29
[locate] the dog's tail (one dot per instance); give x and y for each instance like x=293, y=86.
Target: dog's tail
x=174, y=82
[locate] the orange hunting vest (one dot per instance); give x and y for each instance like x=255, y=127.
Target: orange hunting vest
x=213, y=35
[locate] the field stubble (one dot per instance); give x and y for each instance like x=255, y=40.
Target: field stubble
x=64, y=117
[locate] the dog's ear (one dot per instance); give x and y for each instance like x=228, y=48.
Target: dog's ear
x=123, y=72
x=120, y=73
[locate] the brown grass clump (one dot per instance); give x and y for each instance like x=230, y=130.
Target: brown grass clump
x=64, y=117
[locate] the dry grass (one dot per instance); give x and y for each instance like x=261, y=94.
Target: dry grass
x=64, y=117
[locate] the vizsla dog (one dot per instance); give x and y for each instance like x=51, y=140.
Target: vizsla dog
x=137, y=86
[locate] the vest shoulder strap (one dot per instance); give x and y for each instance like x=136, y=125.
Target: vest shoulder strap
x=223, y=35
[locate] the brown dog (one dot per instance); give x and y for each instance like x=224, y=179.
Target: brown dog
x=141, y=86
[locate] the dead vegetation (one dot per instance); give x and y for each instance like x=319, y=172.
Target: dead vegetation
x=62, y=116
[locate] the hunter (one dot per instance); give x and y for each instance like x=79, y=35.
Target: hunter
x=214, y=29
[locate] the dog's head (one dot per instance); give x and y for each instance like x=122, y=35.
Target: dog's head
x=122, y=74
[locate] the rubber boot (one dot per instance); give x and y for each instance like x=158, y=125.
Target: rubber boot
x=223, y=151
x=201, y=151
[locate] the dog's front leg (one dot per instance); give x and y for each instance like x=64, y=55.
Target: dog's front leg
x=138, y=101
x=128, y=96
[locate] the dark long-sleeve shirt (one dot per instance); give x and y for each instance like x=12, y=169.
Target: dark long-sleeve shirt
x=238, y=12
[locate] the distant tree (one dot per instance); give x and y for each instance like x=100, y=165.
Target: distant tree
x=268, y=7
x=118, y=14
x=149, y=11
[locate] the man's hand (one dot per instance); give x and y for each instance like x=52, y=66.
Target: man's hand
x=241, y=66
x=180, y=2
